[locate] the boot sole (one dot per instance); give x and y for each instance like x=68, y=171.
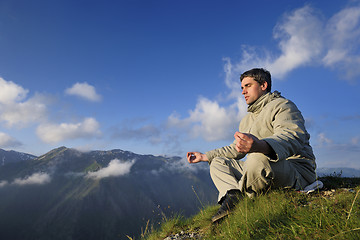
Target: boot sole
x=218, y=217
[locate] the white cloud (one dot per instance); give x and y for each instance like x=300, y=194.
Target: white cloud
x=53, y=133
x=209, y=120
x=343, y=36
x=11, y=92
x=215, y=121
x=14, y=111
x=8, y=141
x=114, y=169
x=36, y=178
x=300, y=41
x=85, y=91
x=23, y=113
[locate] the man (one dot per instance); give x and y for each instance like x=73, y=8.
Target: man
x=274, y=140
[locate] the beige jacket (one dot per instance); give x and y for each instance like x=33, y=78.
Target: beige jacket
x=279, y=122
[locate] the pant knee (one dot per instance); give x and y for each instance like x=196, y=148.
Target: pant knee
x=255, y=172
x=258, y=175
x=217, y=162
x=258, y=166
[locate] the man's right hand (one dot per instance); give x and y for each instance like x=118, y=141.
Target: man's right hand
x=195, y=157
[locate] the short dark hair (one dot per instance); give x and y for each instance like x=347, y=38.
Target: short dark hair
x=260, y=75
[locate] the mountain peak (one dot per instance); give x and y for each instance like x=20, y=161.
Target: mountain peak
x=52, y=153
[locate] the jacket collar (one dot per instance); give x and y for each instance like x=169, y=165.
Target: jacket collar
x=259, y=104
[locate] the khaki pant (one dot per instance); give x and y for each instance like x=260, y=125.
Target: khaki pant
x=255, y=175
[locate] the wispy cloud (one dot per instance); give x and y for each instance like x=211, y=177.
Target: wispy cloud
x=350, y=145
x=8, y=141
x=323, y=140
x=85, y=91
x=343, y=36
x=15, y=110
x=304, y=37
x=300, y=41
x=332, y=152
x=53, y=133
x=115, y=168
x=36, y=178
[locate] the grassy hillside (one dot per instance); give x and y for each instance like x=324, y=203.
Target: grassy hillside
x=332, y=213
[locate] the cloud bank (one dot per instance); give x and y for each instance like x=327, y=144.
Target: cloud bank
x=36, y=178
x=53, y=133
x=115, y=168
x=85, y=91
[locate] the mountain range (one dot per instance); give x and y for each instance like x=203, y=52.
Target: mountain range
x=68, y=194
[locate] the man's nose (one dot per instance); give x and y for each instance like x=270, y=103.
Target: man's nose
x=243, y=91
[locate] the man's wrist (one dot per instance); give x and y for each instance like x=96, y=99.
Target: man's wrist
x=204, y=157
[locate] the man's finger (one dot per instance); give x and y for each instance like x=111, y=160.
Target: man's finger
x=241, y=136
x=244, y=136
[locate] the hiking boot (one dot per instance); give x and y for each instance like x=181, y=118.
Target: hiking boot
x=232, y=197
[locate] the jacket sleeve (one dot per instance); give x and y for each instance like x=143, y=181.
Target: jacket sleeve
x=289, y=136
x=227, y=151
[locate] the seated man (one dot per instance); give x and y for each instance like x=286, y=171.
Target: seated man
x=274, y=140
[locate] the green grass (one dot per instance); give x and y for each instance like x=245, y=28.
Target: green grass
x=280, y=214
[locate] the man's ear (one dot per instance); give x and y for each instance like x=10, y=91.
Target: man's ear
x=264, y=86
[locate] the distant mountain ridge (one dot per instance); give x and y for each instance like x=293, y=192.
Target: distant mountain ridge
x=13, y=156
x=68, y=194
x=340, y=172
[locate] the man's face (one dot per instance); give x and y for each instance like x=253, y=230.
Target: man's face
x=252, y=90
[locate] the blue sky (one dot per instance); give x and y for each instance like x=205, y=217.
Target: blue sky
x=162, y=77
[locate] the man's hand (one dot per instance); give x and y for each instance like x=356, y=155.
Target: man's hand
x=195, y=157
x=248, y=143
